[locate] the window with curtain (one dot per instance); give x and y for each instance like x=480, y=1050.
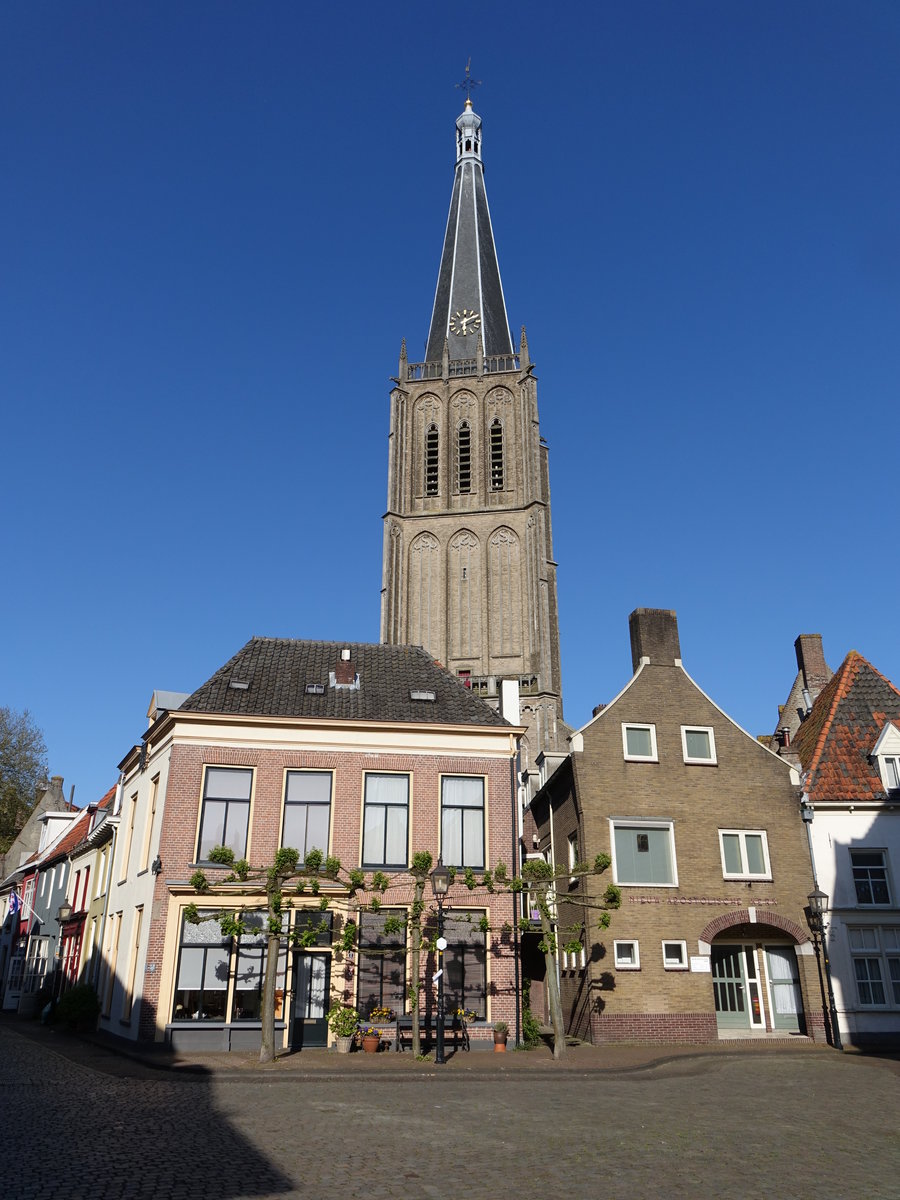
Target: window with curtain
x=386, y=821
x=249, y=971
x=225, y=819
x=465, y=963
x=201, y=989
x=462, y=821
x=381, y=971
x=307, y=810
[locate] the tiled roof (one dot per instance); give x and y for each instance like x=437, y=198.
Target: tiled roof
x=73, y=836
x=836, y=739
x=276, y=672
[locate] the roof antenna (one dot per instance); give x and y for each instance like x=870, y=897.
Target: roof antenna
x=468, y=83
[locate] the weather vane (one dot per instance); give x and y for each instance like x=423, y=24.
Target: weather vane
x=468, y=83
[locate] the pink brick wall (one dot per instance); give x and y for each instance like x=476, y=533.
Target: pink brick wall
x=179, y=832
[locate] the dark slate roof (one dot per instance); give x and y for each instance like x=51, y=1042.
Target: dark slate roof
x=469, y=274
x=277, y=671
x=836, y=739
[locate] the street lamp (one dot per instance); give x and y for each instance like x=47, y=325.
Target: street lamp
x=62, y=916
x=440, y=884
x=815, y=919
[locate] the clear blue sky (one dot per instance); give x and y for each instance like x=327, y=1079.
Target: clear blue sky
x=218, y=220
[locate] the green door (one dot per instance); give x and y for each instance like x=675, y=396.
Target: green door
x=311, y=985
x=729, y=987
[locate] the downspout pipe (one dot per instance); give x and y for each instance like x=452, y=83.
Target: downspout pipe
x=517, y=870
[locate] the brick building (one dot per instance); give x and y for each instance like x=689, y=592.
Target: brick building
x=709, y=851
x=368, y=753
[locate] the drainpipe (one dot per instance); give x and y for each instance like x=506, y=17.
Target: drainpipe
x=807, y=812
x=517, y=870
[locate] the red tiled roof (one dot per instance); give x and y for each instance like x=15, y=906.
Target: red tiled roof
x=835, y=741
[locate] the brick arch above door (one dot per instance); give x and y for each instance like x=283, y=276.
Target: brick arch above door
x=741, y=916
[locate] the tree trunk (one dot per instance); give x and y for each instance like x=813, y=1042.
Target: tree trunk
x=273, y=945
x=415, y=937
x=552, y=976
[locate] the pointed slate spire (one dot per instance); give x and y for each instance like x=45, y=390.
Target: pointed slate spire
x=468, y=301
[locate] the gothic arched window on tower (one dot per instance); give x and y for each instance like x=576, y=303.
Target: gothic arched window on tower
x=496, y=455
x=465, y=457
x=431, y=461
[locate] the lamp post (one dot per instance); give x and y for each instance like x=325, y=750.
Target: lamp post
x=62, y=916
x=440, y=883
x=815, y=918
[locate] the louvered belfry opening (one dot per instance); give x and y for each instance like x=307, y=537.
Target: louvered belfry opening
x=496, y=456
x=431, y=461
x=465, y=457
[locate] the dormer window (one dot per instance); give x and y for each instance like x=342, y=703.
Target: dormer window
x=886, y=756
x=891, y=772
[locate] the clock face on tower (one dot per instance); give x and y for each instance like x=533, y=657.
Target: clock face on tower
x=464, y=321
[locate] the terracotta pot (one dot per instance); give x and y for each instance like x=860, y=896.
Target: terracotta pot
x=500, y=1042
x=370, y=1044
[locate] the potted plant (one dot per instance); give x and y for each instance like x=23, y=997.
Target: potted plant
x=343, y=1022
x=369, y=1038
x=501, y=1033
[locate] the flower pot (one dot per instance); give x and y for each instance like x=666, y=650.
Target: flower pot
x=344, y=1044
x=370, y=1044
x=500, y=1042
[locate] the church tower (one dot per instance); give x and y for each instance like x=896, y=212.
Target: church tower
x=468, y=569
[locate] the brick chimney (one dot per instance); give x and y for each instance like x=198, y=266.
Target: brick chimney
x=654, y=635
x=345, y=671
x=811, y=662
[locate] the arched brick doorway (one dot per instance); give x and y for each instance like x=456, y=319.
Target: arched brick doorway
x=757, y=977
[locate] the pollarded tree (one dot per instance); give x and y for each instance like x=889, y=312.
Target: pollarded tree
x=23, y=769
x=538, y=881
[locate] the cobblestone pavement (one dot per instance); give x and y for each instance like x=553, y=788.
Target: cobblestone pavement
x=793, y=1124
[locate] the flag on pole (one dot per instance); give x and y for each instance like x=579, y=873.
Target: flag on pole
x=14, y=903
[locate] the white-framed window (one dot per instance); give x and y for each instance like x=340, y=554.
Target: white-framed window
x=225, y=812
x=876, y=964
x=698, y=743
x=639, y=742
x=386, y=821
x=675, y=956
x=643, y=853
x=573, y=960
x=627, y=955
x=573, y=856
x=462, y=821
x=745, y=854
x=870, y=876
x=890, y=772
x=307, y=811
x=38, y=958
